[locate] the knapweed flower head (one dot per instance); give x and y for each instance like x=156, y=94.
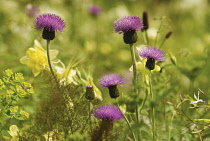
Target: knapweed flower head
x=108, y=112
x=128, y=23
x=49, y=23
x=95, y=10
x=152, y=54
x=36, y=58
x=128, y=26
x=111, y=80
x=31, y=10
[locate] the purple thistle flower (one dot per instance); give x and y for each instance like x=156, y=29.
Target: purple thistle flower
x=152, y=52
x=49, y=22
x=129, y=23
x=111, y=80
x=95, y=10
x=31, y=10
x=108, y=112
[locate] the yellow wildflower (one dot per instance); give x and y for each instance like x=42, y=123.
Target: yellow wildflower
x=9, y=93
x=18, y=76
x=24, y=114
x=14, y=110
x=36, y=58
x=8, y=72
x=1, y=84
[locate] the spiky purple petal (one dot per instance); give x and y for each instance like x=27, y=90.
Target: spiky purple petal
x=49, y=22
x=108, y=112
x=111, y=80
x=129, y=23
x=152, y=53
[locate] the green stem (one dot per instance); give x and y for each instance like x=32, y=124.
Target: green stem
x=158, y=32
x=135, y=79
x=191, y=89
x=146, y=36
x=143, y=103
x=129, y=125
x=153, y=108
x=49, y=61
x=162, y=43
x=90, y=116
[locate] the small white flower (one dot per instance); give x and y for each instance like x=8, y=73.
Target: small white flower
x=197, y=99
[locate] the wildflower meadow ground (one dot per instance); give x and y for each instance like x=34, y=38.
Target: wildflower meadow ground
x=85, y=70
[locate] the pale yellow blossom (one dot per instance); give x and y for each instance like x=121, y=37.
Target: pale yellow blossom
x=36, y=58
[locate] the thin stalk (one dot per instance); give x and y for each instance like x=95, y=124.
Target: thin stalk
x=191, y=89
x=146, y=36
x=162, y=43
x=90, y=116
x=129, y=125
x=49, y=62
x=153, y=108
x=158, y=32
x=143, y=103
x=135, y=79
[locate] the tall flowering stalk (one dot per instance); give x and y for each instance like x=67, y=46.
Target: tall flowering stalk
x=49, y=23
x=129, y=26
x=152, y=54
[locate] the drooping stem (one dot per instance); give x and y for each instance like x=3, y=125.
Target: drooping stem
x=135, y=79
x=153, y=108
x=49, y=61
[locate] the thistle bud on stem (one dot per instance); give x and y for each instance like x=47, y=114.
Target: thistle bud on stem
x=168, y=34
x=145, y=21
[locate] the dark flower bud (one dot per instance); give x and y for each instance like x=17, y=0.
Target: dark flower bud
x=150, y=64
x=168, y=34
x=89, y=94
x=130, y=37
x=113, y=91
x=48, y=35
x=145, y=21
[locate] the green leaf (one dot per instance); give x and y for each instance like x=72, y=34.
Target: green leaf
x=5, y=133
